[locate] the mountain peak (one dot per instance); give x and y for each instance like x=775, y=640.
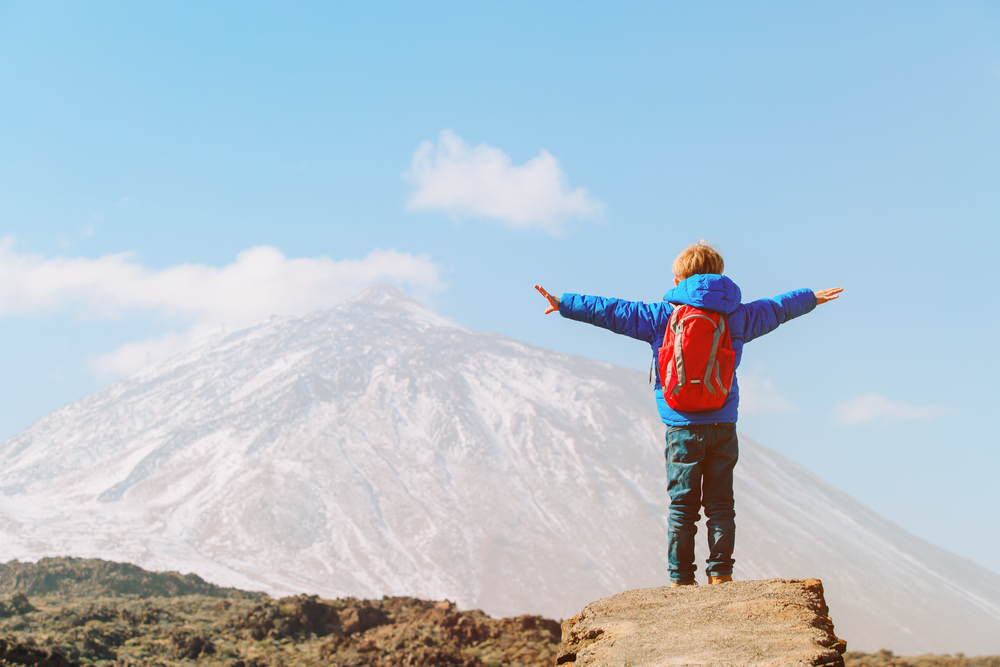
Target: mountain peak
x=391, y=300
x=381, y=294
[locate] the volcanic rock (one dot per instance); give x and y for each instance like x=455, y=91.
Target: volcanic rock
x=753, y=623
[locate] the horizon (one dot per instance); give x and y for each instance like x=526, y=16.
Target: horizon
x=181, y=170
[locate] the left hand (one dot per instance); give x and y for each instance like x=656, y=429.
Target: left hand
x=553, y=300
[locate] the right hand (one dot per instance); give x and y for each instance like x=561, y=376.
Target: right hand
x=824, y=295
x=553, y=300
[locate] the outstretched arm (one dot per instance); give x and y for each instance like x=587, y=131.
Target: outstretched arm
x=822, y=296
x=553, y=300
x=765, y=315
x=634, y=319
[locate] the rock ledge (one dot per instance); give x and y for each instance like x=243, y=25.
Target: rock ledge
x=747, y=623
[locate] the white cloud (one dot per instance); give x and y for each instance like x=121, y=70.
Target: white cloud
x=481, y=182
x=871, y=408
x=758, y=396
x=259, y=283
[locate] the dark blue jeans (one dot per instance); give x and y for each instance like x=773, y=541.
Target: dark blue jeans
x=700, y=462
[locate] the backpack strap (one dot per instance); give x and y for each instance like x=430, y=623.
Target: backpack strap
x=664, y=381
x=677, y=326
x=720, y=328
x=718, y=380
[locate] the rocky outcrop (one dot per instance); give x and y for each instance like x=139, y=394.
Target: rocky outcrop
x=753, y=623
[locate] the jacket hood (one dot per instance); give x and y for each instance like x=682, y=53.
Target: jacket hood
x=707, y=290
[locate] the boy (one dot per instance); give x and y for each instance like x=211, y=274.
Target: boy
x=701, y=447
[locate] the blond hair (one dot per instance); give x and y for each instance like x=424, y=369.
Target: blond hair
x=698, y=258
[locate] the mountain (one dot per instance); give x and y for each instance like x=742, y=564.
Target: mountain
x=380, y=448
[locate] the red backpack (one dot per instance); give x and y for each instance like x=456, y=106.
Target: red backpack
x=696, y=360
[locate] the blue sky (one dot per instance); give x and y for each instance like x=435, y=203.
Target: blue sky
x=166, y=170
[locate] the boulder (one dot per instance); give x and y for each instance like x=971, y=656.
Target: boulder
x=748, y=623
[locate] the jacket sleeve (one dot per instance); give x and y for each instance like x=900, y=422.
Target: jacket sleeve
x=764, y=316
x=634, y=319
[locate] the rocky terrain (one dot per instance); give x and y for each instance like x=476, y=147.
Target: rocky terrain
x=886, y=658
x=65, y=611
x=750, y=623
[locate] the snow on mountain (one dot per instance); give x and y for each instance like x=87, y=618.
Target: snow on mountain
x=381, y=448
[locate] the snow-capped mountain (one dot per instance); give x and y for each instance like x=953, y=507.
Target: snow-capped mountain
x=380, y=448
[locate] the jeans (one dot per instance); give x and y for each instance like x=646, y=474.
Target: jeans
x=700, y=462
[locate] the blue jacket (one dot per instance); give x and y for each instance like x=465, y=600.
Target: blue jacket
x=648, y=322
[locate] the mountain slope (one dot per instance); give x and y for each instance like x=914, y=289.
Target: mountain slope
x=381, y=449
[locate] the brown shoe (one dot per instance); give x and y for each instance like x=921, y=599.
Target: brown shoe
x=721, y=579
x=674, y=584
